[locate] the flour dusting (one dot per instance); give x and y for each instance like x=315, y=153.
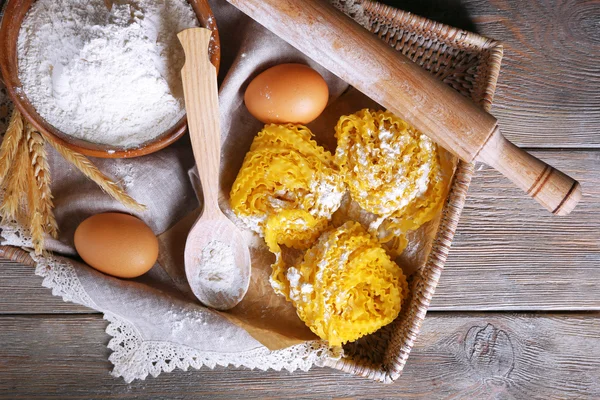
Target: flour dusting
x=217, y=270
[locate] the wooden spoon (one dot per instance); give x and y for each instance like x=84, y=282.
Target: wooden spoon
x=108, y=4
x=220, y=288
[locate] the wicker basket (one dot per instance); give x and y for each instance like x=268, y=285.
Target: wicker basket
x=470, y=64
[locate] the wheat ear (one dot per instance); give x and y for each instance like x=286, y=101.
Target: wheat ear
x=10, y=144
x=35, y=218
x=93, y=173
x=41, y=173
x=16, y=183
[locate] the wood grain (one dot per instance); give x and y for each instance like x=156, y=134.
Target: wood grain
x=508, y=255
x=460, y=355
x=547, y=94
x=200, y=90
x=552, y=189
x=201, y=94
x=21, y=291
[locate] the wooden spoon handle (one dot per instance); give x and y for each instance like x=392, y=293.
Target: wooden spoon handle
x=554, y=190
x=202, y=106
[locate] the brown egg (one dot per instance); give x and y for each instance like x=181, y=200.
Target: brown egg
x=287, y=93
x=117, y=244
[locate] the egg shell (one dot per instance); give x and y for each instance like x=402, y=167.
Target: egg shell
x=117, y=244
x=287, y=93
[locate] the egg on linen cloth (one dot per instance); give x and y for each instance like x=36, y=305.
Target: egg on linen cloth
x=117, y=244
x=287, y=93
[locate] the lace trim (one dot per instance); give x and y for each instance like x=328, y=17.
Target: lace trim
x=135, y=358
x=62, y=279
x=58, y=276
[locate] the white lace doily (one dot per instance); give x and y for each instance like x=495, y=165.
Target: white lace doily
x=135, y=358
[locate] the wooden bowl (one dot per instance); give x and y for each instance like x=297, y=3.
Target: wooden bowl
x=14, y=14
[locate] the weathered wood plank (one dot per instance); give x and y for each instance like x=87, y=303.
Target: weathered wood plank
x=508, y=253
x=460, y=355
x=21, y=291
x=547, y=94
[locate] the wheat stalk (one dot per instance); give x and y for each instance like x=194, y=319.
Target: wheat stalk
x=34, y=199
x=25, y=174
x=41, y=175
x=16, y=183
x=17, y=164
x=92, y=172
x=10, y=144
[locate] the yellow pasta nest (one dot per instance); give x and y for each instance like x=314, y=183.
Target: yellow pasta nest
x=346, y=286
x=392, y=170
x=287, y=190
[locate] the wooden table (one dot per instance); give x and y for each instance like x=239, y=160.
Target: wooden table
x=516, y=314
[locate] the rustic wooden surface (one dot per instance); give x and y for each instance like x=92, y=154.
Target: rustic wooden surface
x=465, y=355
x=509, y=257
x=547, y=94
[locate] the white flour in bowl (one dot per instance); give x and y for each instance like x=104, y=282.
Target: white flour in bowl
x=105, y=77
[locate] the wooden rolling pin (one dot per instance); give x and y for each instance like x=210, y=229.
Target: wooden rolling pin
x=363, y=60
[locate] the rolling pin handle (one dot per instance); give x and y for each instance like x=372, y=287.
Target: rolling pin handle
x=556, y=191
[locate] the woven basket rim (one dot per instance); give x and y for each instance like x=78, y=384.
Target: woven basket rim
x=398, y=350
x=434, y=28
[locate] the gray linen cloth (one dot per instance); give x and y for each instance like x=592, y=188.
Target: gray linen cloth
x=156, y=325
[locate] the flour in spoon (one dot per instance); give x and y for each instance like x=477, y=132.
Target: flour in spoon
x=105, y=77
x=217, y=270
